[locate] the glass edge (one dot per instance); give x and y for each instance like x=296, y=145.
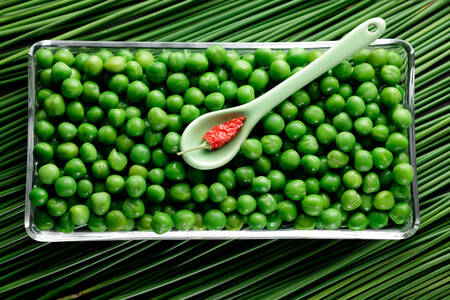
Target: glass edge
x=388, y=234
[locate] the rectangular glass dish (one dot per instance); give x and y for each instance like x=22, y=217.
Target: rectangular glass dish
x=405, y=231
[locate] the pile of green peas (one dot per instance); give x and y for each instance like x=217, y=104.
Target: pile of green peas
x=108, y=125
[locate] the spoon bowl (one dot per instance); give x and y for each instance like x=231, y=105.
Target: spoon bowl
x=360, y=37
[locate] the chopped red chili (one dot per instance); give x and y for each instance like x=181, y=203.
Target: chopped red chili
x=220, y=135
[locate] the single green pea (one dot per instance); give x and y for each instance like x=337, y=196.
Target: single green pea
x=178, y=83
x=171, y=143
x=331, y=218
x=54, y=105
x=214, y=101
x=273, y=124
x=330, y=182
x=312, y=185
x=75, y=168
x=261, y=185
x=67, y=131
x=228, y=89
x=107, y=135
x=252, y=148
x=352, y=179
x=156, y=175
x=138, y=170
x=329, y=85
x=67, y=151
x=43, y=152
x=60, y=71
x=208, y=82
x=135, y=127
x=216, y=54
x=266, y=203
x=117, y=160
x=217, y=192
x=88, y=152
x=116, y=220
x=137, y=91
x=289, y=160
x=380, y=133
x=135, y=186
x=65, y=224
x=401, y=193
x=382, y=158
x=301, y=99
x=156, y=72
x=402, y=118
x=295, y=189
x=133, y=208
x=343, y=70
x=118, y=83
x=44, y=130
x=350, y=200
x=262, y=165
x=400, y=213
x=312, y=205
x=314, y=54
x=214, y=220
x=358, y=221
x=363, y=161
x=305, y=222
x=390, y=96
x=345, y=141
x=287, y=210
x=246, y=204
x=397, y=142
x=391, y=74
x=159, y=157
x=310, y=164
x=96, y=223
x=383, y=200
x=297, y=57
x=200, y=193
x=263, y=57
x=342, y=122
x=180, y=192
x=93, y=66
x=257, y=221
x=363, y=72
x=368, y=91
x=337, y=159
x=127, y=54
x=114, y=184
x=314, y=115
x=79, y=214
x=288, y=110
x=294, y=130
x=277, y=180
x=56, y=207
x=174, y=122
x=100, y=169
x=308, y=145
x=45, y=77
x=184, y=220
x=325, y=133
x=403, y=173
x=44, y=58
x=363, y=126
x=43, y=221
x=259, y=79
x=245, y=94
x=378, y=219
x=115, y=64
x=279, y=70
x=227, y=178
x=38, y=196
x=334, y=104
x=155, y=193
x=75, y=111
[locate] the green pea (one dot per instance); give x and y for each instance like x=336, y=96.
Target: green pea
x=273, y=124
x=352, y=179
x=228, y=89
x=337, y=159
x=67, y=151
x=326, y=133
x=295, y=190
x=38, y=196
x=363, y=126
x=391, y=74
x=43, y=221
x=246, y=204
x=294, y=130
x=314, y=115
x=44, y=58
x=135, y=127
x=343, y=70
x=350, y=200
x=378, y=219
x=118, y=83
x=156, y=176
x=259, y=79
x=257, y=221
x=305, y=222
x=107, y=135
x=261, y=184
x=403, y=173
x=159, y=158
x=331, y=218
x=54, y=105
x=214, y=220
x=358, y=221
x=200, y=193
x=380, y=133
x=171, y=143
x=116, y=220
x=382, y=158
x=314, y=54
x=308, y=145
x=400, y=213
x=133, y=208
x=244, y=175
x=363, y=161
x=208, y=82
x=88, y=152
x=289, y=160
x=43, y=152
x=67, y=131
x=245, y=94
x=44, y=130
x=56, y=207
x=227, y=178
x=137, y=91
x=384, y=200
x=135, y=186
x=363, y=72
x=174, y=122
x=184, y=220
x=277, y=180
x=217, y=192
x=397, y=142
x=330, y=182
x=279, y=70
x=287, y=210
x=401, y=193
x=214, y=101
x=368, y=91
x=329, y=85
x=342, y=122
x=301, y=99
x=390, y=96
x=65, y=224
x=180, y=192
x=334, y=104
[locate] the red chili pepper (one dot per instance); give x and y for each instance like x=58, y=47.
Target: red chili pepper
x=219, y=135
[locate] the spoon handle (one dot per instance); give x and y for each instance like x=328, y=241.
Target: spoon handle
x=360, y=37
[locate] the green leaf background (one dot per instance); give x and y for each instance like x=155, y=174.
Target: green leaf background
x=416, y=268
